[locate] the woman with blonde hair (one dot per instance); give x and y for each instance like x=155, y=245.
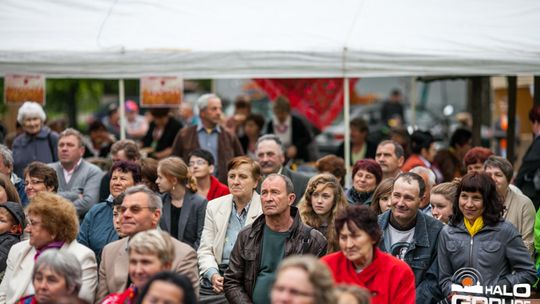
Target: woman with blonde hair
x=52, y=223
x=324, y=197
x=183, y=209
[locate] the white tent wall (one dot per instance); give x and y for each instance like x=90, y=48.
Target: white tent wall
x=268, y=39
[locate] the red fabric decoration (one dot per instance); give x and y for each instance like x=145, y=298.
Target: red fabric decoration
x=319, y=100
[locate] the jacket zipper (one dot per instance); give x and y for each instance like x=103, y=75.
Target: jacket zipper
x=471, y=251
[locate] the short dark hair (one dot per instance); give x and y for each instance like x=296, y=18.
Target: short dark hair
x=534, y=113
x=492, y=201
x=179, y=280
x=460, y=137
x=204, y=154
x=128, y=166
x=362, y=217
x=409, y=177
x=258, y=119
x=96, y=125
x=44, y=172
x=160, y=112
x=360, y=124
x=421, y=140
x=398, y=148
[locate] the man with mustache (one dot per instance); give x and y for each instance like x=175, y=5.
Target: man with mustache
x=271, y=157
x=412, y=236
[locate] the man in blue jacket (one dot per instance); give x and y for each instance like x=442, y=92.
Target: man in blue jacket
x=412, y=236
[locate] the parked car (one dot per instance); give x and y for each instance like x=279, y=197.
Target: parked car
x=332, y=136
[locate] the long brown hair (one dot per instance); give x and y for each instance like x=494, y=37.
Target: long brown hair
x=308, y=215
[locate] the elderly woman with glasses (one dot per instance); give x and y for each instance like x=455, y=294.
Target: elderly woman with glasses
x=37, y=142
x=52, y=224
x=360, y=262
x=39, y=177
x=56, y=274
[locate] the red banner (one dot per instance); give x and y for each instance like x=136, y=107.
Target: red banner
x=320, y=100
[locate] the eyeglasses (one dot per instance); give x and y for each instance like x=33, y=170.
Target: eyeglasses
x=32, y=223
x=199, y=162
x=292, y=291
x=133, y=209
x=33, y=182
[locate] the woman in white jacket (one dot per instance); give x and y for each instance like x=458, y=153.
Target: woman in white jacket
x=52, y=223
x=225, y=217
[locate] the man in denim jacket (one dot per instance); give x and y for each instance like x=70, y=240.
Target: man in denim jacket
x=412, y=236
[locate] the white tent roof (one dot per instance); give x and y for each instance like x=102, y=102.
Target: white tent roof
x=268, y=39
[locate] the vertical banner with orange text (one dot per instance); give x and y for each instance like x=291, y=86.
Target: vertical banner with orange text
x=20, y=88
x=161, y=92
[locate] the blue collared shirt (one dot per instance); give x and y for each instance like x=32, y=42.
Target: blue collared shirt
x=208, y=140
x=236, y=223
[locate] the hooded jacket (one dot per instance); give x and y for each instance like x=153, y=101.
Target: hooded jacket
x=8, y=239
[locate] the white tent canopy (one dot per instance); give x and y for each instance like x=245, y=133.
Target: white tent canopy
x=268, y=39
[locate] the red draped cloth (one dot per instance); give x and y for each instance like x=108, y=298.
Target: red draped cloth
x=319, y=100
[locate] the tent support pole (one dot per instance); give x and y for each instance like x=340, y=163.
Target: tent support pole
x=511, y=129
x=346, y=120
x=413, y=98
x=121, y=92
x=536, y=90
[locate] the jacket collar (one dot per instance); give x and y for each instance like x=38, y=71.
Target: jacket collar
x=43, y=133
x=259, y=223
x=420, y=228
x=462, y=229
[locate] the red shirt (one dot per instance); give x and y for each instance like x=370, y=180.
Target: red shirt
x=388, y=279
x=217, y=189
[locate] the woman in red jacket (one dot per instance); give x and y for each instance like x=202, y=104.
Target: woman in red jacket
x=360, y=262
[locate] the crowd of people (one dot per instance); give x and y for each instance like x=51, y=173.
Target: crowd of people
x=212, y=212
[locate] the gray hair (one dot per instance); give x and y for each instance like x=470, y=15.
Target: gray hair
x=427, y=172
x=7, y=156
x=202, y=102
x=153, y=242
x=31, y=109
x=72, y=132
x=271, y=137
x=502, y=163
x=288, y=183
x=398, y=148
x=64, y=264
x=154, y=201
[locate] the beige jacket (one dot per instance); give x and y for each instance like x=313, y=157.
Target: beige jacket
x=20, y=265
x=218, y=212
x=520, y=212
x=113, y=270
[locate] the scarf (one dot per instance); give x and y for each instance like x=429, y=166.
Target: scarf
x=477, y=226
x=52, y=245
x=355, y=197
